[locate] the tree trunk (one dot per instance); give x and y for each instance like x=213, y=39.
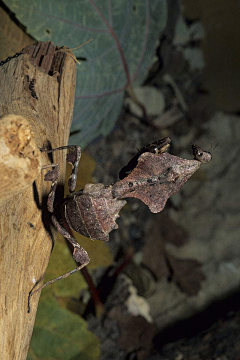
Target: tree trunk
x=37, y=89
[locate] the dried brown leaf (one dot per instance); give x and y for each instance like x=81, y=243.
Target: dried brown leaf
x=187, y=273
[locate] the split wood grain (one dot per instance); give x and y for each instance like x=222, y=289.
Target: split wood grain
x=39, y=86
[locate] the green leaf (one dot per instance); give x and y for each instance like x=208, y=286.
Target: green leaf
x=98, y=251
x=85, y=170
x=60, y=263
x=61, y=335
x=125, y=35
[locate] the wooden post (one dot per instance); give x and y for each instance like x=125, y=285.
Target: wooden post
x=37, y=88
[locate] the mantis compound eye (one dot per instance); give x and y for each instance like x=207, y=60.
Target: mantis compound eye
x=201, y=155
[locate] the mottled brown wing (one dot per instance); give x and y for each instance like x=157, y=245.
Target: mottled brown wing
x=155, y=178
x=93, y=211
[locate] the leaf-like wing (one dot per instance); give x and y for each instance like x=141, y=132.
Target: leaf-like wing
x=93, y=211
x=155, y=178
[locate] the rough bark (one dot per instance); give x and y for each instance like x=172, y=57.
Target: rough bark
x=38, y=86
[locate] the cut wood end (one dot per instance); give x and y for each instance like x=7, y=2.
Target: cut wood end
x=20, y=159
